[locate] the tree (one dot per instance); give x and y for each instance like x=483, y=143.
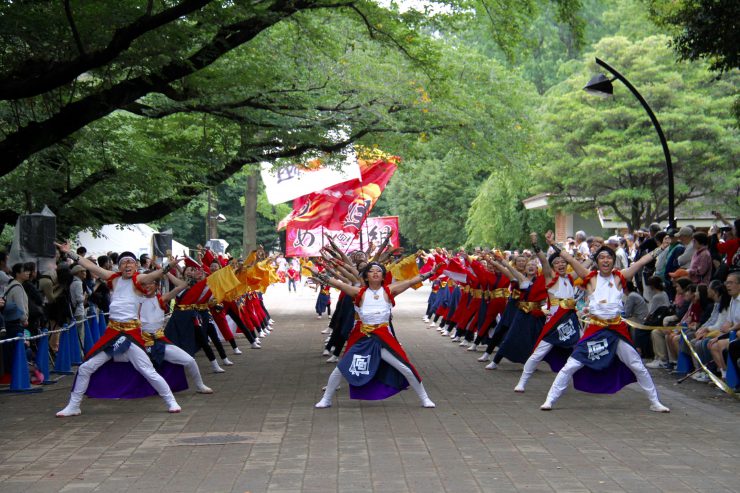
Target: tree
x=702, y=30
x=497, y=216
x=606, y=153
x=433, y=190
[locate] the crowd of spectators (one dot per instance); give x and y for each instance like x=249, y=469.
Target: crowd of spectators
x=31, y=301
x=694, y=284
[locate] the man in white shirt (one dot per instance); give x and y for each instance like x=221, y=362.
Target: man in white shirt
x=581, y=245
x=717, y=346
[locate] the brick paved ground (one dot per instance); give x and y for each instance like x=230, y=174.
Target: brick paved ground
x=260, y=433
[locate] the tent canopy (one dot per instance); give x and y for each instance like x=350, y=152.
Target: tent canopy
x=135, y=238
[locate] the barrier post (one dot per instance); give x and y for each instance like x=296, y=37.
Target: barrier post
x=94, y=330
x=732, y=378
x=75, y=356
x=62, y=364
x=20, y=381
x=102, y=325
x=88, y=337
x=42, y=357
x=684, y=364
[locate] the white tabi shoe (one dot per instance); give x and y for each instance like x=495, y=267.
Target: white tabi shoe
x=255, y=345
x=204, y=389
x=463, y=342
x=425, y=319
x=519, y=388
x=227, y=362
x=484, y=358
x=332, y=359
x=237, y=350
x=445, y=333
x=216, y=368
x=326, y=352
x=271, y=322
x=322, y=404
x=455, y=339
x=427, y=402
x=172, y=406
x=547, y=406
x=657, y=407
x=262, y=333
x=70, y=410
x=491, y=366
x=326, y=330
x=473, y=347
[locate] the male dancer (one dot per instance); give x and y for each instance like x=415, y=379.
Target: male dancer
x=122, y=340
x=604, y=360
x=160, y=349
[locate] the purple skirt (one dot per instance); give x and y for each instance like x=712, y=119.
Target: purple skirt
x=120, y=380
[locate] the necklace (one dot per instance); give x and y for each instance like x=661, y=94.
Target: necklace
x=376, y=296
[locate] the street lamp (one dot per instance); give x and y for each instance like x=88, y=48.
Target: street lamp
x=600, y=85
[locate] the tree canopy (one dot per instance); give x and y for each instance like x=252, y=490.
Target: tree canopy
x=606, y=153
x=125, y=111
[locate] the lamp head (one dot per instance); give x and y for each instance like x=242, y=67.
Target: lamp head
x=599, y=85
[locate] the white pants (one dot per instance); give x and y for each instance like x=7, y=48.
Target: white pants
x=177, y=356
x=627, y=354
x=134, y=355
x=531, y=365
x=336, y=377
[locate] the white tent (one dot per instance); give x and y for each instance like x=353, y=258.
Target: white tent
x=135, y=238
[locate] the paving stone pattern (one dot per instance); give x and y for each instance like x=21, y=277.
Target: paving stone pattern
x=260, y=433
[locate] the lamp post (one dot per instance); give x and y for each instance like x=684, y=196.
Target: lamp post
x=600, y=85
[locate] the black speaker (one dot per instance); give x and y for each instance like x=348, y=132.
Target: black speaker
x=161, y=244
x=37, y=234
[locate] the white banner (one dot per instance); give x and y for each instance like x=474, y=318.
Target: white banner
x=290, y=182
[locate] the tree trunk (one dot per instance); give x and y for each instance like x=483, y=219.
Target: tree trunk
x=250, y=214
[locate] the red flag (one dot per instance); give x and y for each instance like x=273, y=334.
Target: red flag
x=343, y=207
x=455, y=270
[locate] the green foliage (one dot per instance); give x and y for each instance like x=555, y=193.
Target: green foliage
x=497, y=216
x=702, y=29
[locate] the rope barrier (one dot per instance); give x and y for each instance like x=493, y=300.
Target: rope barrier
x=64, y=328
x=712, y=377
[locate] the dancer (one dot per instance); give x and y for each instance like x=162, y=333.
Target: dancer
x=159, y=348
x=375, y=364
x=562, y=329
x=323, y=301
x=498, y=333
x=122, y=340
x=218, y=314
x=528, y=318
x=497, y=294
x=187, y=327
x=604, y=360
